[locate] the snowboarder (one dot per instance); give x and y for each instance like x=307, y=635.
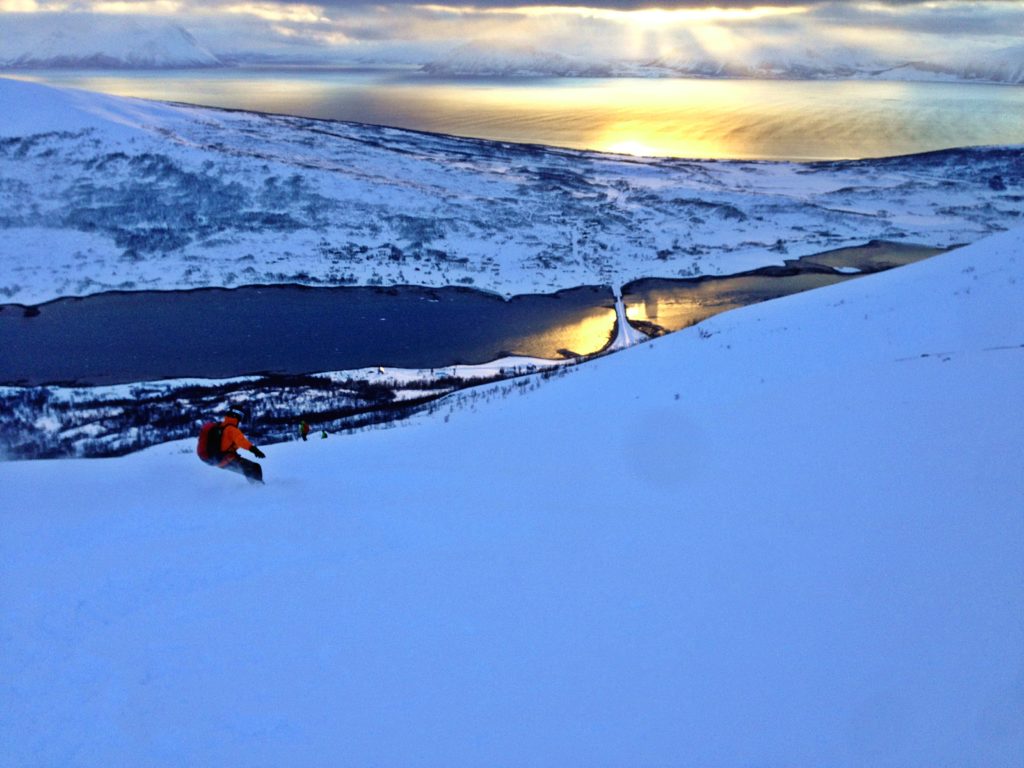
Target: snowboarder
x=224, y=453
x=304, y=429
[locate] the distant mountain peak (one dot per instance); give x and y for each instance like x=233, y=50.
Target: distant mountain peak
x=76, y=40
x=487, y=59
x=483, y=58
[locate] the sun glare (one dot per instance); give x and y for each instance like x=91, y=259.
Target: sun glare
x=662, y=17
x=632, y=147
x=583, y=337
x=636, y=140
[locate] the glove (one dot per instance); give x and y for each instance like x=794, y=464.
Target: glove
x=258, y=453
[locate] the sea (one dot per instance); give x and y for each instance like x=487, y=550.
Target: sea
x=657, y=117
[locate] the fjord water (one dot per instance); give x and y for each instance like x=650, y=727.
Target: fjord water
x=124, y=336
x=694, y=118
x=664, y=305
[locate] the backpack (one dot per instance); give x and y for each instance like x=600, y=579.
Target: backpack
x=208, y=447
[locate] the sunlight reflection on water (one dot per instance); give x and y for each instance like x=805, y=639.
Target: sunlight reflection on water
x=746, y=119
x=664, y=305
x=672, y=307
x=585, y=336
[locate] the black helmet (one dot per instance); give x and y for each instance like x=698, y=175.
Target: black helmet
x=235, y=412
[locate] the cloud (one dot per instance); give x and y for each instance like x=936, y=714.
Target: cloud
x=868, y=7
x=943, y=18
x=411, y=31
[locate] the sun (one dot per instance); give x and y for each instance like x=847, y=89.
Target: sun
x=633, y=147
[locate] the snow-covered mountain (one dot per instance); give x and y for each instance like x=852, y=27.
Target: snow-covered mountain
x=792, y=536
x=1002, y=66
x=763, y=62
x=1005, y=65
x=152, y=195
x=767, y=62
x=85, y=40
x=99, y=41
x=488, y=59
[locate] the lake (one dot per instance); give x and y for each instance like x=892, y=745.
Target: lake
x=741, y=119
x=124, y=336
x=663, y=305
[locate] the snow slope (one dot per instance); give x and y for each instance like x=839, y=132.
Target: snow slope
x=100, y=192
x=794, y=541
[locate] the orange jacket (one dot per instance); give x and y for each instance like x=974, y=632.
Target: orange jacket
x=232, y=440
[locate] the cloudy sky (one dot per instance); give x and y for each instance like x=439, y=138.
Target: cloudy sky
x=404, y=30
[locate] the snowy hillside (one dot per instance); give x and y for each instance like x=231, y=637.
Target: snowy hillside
x=100, y=192
x=793, y=539
x=98, y=41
